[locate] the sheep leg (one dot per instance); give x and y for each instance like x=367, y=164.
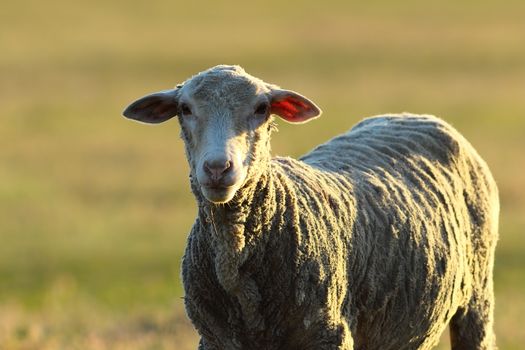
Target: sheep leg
x=471, y=327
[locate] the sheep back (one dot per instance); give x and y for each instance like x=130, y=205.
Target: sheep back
x=374, y=239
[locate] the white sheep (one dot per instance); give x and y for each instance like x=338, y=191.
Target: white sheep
x=376, y=239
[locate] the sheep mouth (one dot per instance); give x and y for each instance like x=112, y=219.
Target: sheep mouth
x=216, y=187
x=218, y=193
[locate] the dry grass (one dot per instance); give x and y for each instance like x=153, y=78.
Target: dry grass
x=94, y=210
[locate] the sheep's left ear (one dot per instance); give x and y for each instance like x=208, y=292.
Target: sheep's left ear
x=293, y=107
x=154, y=108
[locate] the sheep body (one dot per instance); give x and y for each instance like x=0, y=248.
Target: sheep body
x=376, y=239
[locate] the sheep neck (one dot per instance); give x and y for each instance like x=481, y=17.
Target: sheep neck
x=237, y=225
x=236, y=229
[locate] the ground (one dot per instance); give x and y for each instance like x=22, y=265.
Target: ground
x=95, y=209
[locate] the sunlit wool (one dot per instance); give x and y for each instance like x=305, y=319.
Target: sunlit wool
x=376, y=239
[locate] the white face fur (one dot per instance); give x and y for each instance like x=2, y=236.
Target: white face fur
x=224, y=115
x=220, y=136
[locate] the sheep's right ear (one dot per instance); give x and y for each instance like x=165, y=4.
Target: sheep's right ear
x=155, y=108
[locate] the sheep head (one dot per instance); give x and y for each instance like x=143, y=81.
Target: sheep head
x=225, y=119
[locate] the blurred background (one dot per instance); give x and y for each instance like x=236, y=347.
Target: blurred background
x=95, y=209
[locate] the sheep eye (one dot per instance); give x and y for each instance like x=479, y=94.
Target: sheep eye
x=185, y=109
x=262, y=109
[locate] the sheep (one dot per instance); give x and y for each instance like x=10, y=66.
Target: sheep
x=376, y=239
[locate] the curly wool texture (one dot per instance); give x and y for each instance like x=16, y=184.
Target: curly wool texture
x=377, y=239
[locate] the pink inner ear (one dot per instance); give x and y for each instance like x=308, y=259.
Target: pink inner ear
x=292, y=109
x=285, y=109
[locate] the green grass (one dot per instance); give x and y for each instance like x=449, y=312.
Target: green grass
x=94, y=209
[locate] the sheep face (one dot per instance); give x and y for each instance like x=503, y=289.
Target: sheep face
x=223, y=122
x=225, y=118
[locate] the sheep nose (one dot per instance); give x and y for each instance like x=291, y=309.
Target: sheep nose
x=217, y=168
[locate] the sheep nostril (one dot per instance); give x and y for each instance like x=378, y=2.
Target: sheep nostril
x=227, y=167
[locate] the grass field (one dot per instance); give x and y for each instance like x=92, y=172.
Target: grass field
x=94, y=209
